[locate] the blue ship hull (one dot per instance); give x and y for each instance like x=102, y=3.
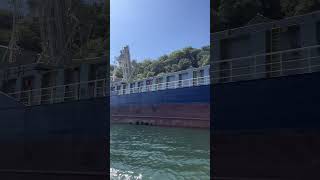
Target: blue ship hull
x=182, y=107
x=60, y=141
x=267, y=128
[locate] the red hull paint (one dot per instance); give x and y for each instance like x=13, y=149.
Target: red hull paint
x=173, y=115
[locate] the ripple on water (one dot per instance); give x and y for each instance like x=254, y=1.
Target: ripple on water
x=143, y=152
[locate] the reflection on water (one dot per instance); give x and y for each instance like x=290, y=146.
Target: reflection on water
x=146, y=152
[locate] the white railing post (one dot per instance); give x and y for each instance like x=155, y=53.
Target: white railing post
x=281, y=64
x=95, y=89
x=254, y=67
x=51, y=96
x=203, y=80
x=64, y=95
x=105, y=88
x=231, y=74
x=309, y=59
x=29, y=98
x=39, y=99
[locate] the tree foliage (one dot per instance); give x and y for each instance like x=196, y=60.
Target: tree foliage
x=175, y=61
x=298, y=7
x=89, y=41
x=228, y=14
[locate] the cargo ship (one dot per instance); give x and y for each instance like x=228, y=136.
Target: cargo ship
x=179, y=99
x=265, y=122
x=54, y=120
x=54, y=108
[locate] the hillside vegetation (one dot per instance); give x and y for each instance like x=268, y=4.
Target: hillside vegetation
x=228, y=14
x=88, y=41
x=175, y=61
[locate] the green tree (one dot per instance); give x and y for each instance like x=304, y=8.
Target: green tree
x=184, y=64
x=91, y=36
x=231, y=12
x=205, y=60
x=175, y=68
x=176, y=61
x=228, y=14
x=119, y=73
x=298, y=7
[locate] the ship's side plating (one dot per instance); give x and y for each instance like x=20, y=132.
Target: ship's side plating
x=54, y=121
x=266, y=100
x=57, y=141
x=178, y=99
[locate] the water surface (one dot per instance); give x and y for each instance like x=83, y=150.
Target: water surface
x=149, y=152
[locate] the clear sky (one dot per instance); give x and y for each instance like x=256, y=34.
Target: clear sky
x=153, y=28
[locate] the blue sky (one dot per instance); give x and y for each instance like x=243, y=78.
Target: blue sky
x=153, y=28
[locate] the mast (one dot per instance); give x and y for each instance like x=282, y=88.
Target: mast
x=124, y=61
x=10, y=55
x=57, y=27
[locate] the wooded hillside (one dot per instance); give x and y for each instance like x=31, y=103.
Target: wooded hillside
x=175, y=61
x=228, y=14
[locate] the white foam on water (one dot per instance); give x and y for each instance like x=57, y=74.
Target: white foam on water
x=116, y=174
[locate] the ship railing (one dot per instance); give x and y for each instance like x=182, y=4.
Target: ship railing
x=166, y=85
x=63, y=93
x=267, y=65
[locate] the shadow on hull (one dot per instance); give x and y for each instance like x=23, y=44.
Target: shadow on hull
x=267, y=128
x=57, y=141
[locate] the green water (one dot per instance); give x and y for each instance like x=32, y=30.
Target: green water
x=149, y=152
